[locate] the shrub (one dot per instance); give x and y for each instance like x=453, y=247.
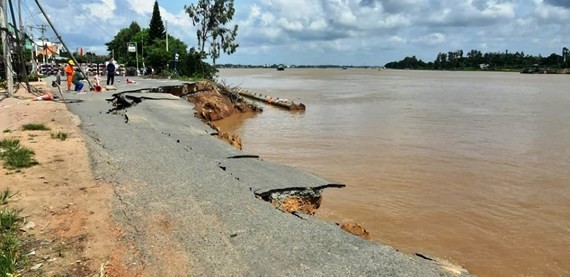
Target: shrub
x=35, y=127
x=16, y=156
x=60, y=135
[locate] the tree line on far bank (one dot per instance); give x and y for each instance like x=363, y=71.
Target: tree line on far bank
x=476, y=60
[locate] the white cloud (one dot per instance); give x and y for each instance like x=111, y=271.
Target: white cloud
x=431, y=39
x=396, y=40
x=141, y=7
x=102, y=11
x=551, y=14
x=340, y=29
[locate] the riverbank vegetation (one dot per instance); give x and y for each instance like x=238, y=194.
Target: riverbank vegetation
x=168, y=56
x=497, y=61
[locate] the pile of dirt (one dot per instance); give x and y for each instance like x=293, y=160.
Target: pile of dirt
x=292, y=204
x=356, y=229
x=233, y=139
x=215, y=102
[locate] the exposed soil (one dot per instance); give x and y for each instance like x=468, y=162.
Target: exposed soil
x=215, y=102
x=356, y=229
x=73, y=234
x=291, y=204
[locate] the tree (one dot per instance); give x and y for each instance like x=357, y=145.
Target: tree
x=157, y=30
x=211, y=17
x=118, y=45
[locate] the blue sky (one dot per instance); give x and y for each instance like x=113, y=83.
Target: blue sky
x=356, y=32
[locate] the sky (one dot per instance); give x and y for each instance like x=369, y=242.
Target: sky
x=342, y=32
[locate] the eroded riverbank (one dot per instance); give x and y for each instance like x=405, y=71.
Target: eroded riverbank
x=181, y=194
x=456, y=164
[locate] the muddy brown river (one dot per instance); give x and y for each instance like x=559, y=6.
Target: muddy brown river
x=473, y=167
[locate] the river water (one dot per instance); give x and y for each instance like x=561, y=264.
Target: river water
x=473, y=167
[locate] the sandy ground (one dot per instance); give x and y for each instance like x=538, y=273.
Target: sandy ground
x=73, y=234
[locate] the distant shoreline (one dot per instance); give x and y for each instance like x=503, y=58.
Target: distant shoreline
x=547, y=71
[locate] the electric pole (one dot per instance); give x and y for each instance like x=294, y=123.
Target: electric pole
x=6, y=47
x=63, y=43
x=34, y=49
x=22, y=29
x=44, y=45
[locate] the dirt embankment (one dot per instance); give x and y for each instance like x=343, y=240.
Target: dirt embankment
x=215, y=102
x=67, y=225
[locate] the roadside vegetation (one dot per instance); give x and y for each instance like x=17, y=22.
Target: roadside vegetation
x=16, y=156
x=60, y=135
x=10, y=256
x=174, y=58
x=35, y=127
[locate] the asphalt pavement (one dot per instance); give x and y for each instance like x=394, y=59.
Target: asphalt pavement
x=177, y=194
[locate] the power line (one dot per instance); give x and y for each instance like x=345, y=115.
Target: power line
x=31, y=14
x=88, y=18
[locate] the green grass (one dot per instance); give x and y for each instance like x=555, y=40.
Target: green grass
x=8, y=219
x=9, y=244
x=8, y=143
x=5, y=196
x=35, y=127
x=7, y=131
x=20, y=158
x=15, y=156
x=60, y=135
x=9, y=254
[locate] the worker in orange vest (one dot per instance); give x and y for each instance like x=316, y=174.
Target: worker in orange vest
x=69, y=73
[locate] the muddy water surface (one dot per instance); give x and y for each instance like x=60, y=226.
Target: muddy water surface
x=469, y=166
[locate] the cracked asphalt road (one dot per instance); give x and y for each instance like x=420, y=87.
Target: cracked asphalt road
x=188, y=216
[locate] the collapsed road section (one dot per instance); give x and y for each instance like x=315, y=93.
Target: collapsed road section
x=212, y=102
x=189, y=210
x=297, y=199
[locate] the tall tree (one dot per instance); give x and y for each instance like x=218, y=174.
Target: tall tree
x=211, y=17
x=156, y=25
x=118, y=45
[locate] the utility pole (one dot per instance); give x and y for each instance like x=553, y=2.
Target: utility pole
x=23, y=69
x=166, y=28
x=44, y=45
x=43, y=38
x=6, y=47
x=34, y=50
x=63, y=43
x=142, y=50
x=137, y=57
x=22, y=29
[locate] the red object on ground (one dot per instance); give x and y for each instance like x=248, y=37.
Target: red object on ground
x=45, y=97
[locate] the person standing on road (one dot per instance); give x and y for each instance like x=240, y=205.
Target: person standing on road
x=111, y=68
x=69, y=72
